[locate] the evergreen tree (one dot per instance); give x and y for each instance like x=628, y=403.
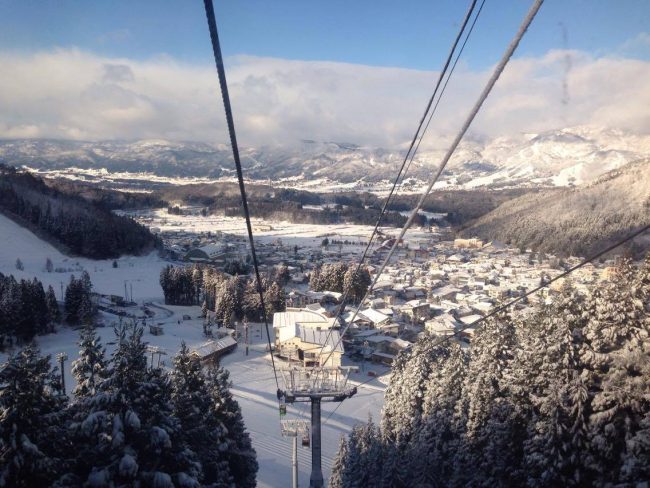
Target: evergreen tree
x=274, y=300
x=90, y=368
x=33, y=440
x=53, y=312
x=357, y=282
x=127, y=429
x=252, y=305
x=339, y=465
x=201, y=427
x=240, y=454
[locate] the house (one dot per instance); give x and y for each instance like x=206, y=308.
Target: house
x=374, y=316
x=307, y=336
x=417, y=311
x=443, y=326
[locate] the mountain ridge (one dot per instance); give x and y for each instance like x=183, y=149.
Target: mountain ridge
x=562, y=157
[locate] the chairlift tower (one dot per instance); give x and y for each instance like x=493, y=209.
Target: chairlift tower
x=316, y=385
x=293, y=429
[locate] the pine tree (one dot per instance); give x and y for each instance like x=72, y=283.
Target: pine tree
x=201, y=426
x=432, y=451
x=339, y=464
x=53, y=312
x=315, y=280
x=251, y=304
x=617, y=334
x=90, y=368
x=240, y=454
x=33, y=439
x=491, y=420
x=128, y=431
x=72, y=301
x=357, y=282
x=274, y=300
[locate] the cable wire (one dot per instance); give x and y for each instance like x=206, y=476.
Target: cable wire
x=442, y=92
x=410, y=151
x=216, y=48
x=470, y=118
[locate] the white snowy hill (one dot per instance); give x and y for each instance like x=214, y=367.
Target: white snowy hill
x=560, y=158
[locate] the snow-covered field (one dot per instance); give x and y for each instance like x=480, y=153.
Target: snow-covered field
x=252, y=376
x=265, y=230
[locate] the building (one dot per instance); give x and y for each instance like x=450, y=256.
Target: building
x=206, y=253
x=211, y=351
x=307, y=336
x=468, y=243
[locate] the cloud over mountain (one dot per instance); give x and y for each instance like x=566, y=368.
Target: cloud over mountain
x=73, y=94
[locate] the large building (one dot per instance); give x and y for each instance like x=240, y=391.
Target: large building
x=207, y=253
x=307, y=336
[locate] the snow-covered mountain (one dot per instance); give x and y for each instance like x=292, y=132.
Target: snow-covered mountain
x=561, y=158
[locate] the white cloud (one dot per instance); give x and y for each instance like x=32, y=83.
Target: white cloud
x=79, y=95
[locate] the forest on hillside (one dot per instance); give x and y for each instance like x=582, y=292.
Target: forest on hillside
x=574, y=221
x=79, y=227
x=557, y=397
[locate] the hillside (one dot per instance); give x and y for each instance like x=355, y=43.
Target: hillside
x=70, y=222
x=555, y=158
x=574, y=221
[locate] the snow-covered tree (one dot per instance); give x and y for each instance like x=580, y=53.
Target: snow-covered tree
x=127, y=430
x=357, y=282
x=33, y=439
x=274, y=300
x=53, y=312
x=201, y=426
x=90, y=368
x=339, y=464
x=241, y=456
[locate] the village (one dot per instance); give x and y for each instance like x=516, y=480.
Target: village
x=435, y=284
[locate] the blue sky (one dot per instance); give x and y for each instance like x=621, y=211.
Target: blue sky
x=358, y=71
x=410, y=34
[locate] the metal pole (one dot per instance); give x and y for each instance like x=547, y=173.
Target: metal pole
x=62, y=357
x=316, y=479
x=294, y=460
x=246, y=336
x=62, y=377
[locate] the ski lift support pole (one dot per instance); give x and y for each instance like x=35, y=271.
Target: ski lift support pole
x=316, y=385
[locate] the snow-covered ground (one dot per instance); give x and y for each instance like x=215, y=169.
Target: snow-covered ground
x=252, y=376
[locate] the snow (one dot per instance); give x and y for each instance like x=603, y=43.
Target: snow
x=252, y=376
x=141, y=273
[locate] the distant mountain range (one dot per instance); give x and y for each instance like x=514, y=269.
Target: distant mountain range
x=556, y=158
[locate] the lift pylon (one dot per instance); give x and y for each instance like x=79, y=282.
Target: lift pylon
x=294, y=429
x=316, y=385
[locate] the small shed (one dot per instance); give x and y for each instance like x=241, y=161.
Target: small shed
x=213, y=350
x=156, y=330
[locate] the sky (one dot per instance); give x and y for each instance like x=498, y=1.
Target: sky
x=357, y=71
